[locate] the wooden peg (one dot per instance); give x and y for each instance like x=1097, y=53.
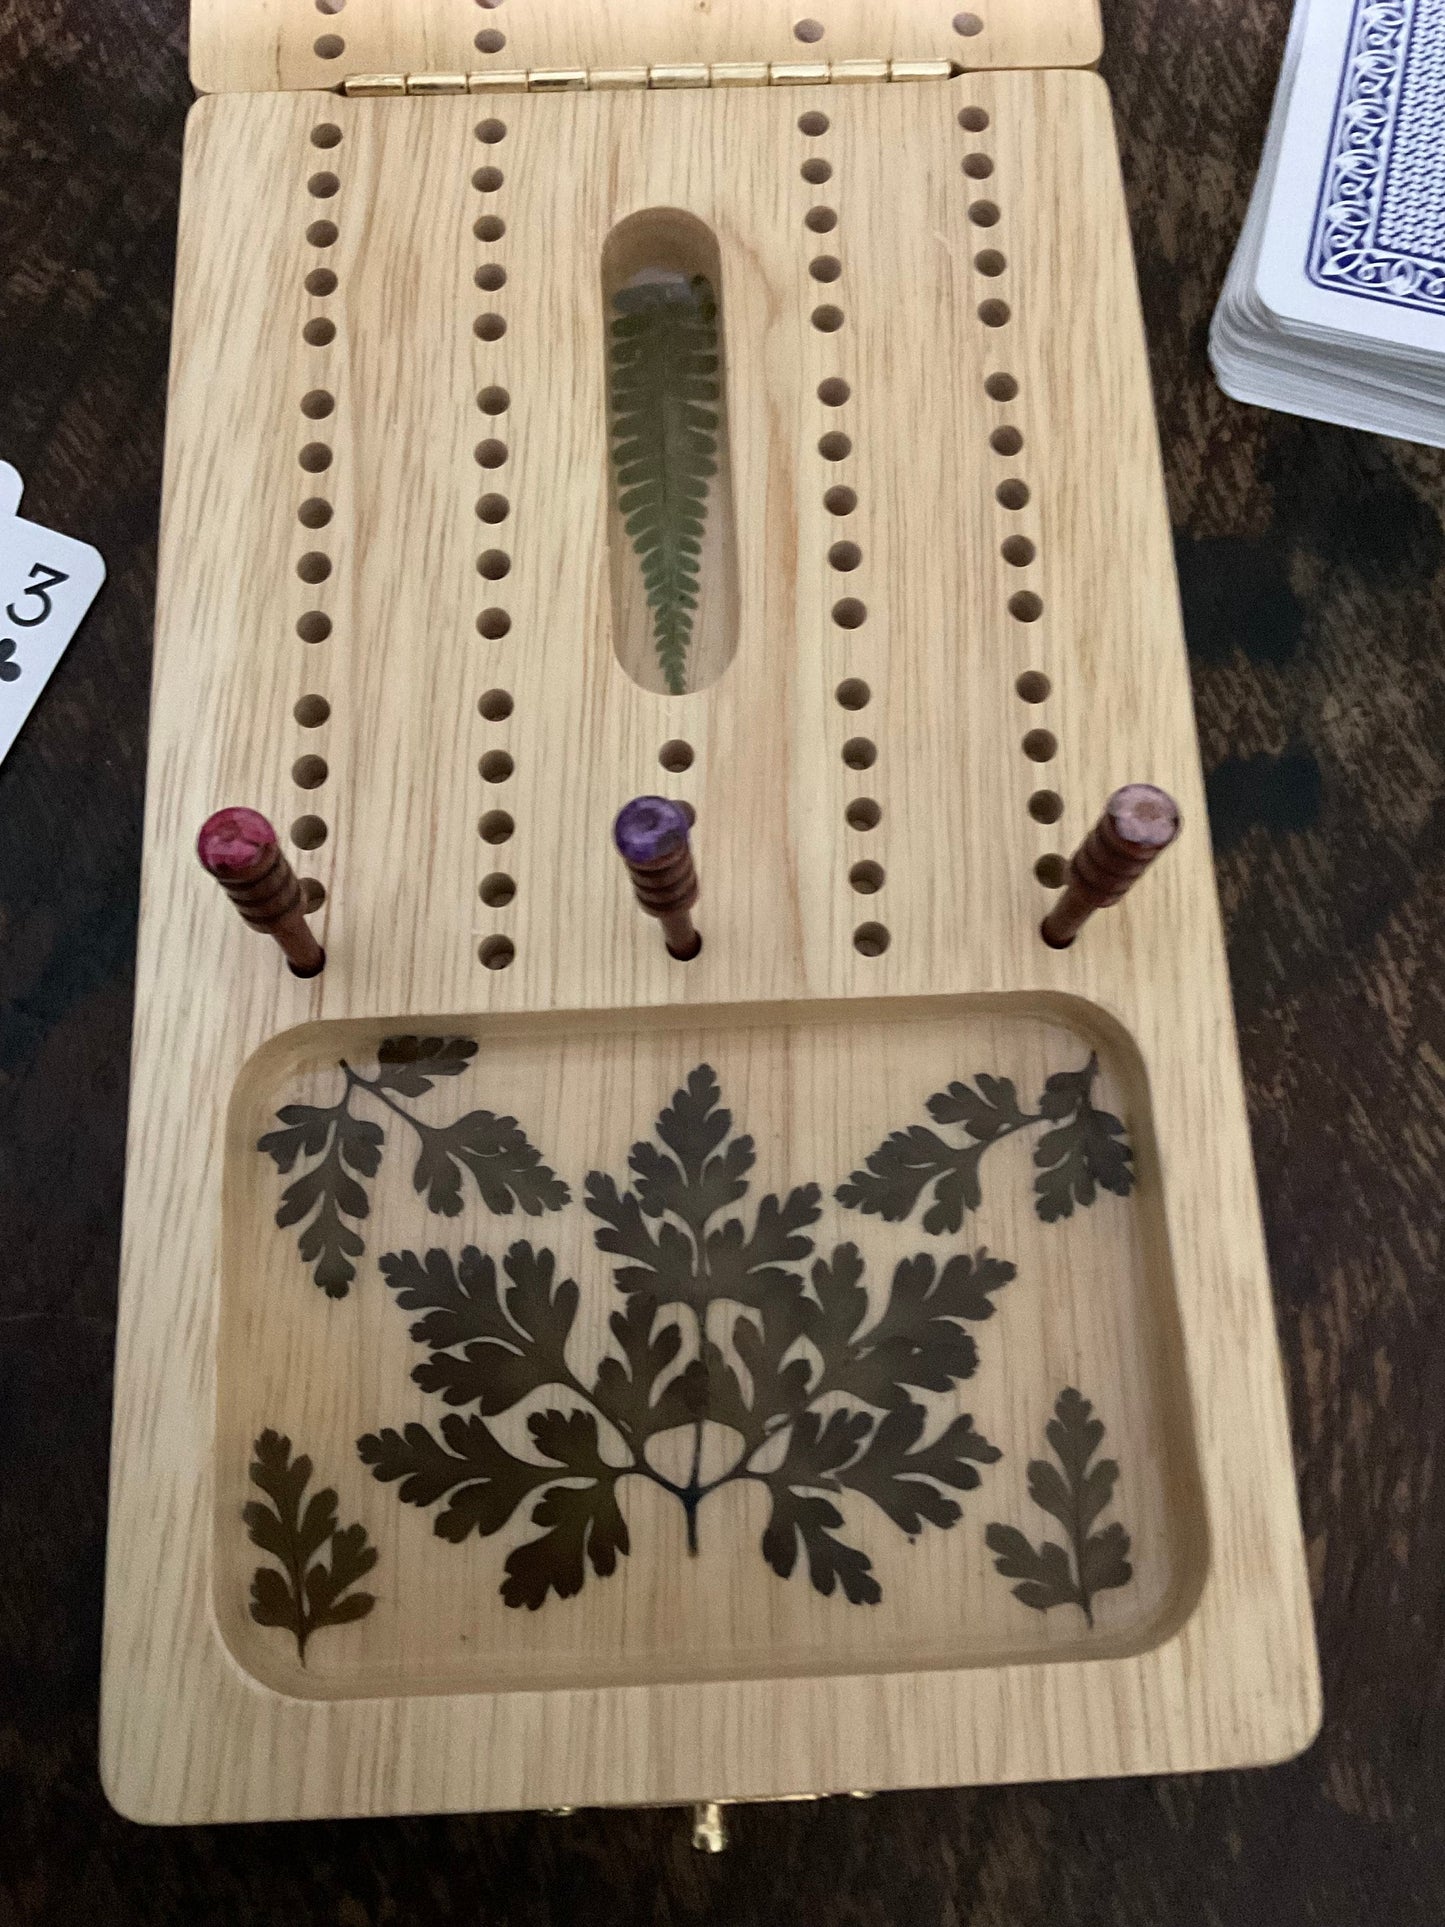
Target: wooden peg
x=240, y=850
x=1138, y=822
x=652, y=835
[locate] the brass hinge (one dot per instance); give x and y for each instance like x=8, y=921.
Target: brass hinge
x=581, y=80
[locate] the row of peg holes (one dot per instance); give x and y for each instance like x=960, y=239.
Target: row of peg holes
x=1024, y=605
x=849, y=613
x=495, y=766
x=311, y=770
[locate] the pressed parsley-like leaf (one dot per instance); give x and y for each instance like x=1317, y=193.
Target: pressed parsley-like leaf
x=1085, y=1152
x=1092, y=1562
x=308, y=1592
x=331, y=1200
x=663, y=362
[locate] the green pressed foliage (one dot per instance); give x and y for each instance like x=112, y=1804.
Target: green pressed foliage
x=665, y=385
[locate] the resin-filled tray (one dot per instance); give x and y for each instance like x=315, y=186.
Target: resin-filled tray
x=712, y=1348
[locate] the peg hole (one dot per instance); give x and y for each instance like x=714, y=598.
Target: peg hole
x=493, y=624
x=314, y=513
x=491, y=275
x=1018, y=551
x=850, y=613
x=489, y=227
x=321, y=187
x=309, y=772
x=317, y=404
x=312, y=711
x=835, y=446
x=497, y=889
x=867, y=878
x=313, y=894
x=496, y=952
x=490, y=327
x=1041, y=746
x=1046, y=806
x=871, y=939
x=978, y=167
x=1012, y=494
x=845, y=556
x=487, y=180
x=328, y=46
x=827, y=267
x=989, y=261
x=490, y=41
x=493, y=508
x=821, y=220
x=1005, y=441
x=1000, y=387
x=853, y=693
x=827, y=318
x=495, y=705
x=496, y=766
x=491, y=454
x=859, y=752
x=327, y=134
x=308, y=832
x=491, y=131
x=863, y=814
x=313, y=626
x=494, y=564
x=1052, y=871
x=319, y=332
x=675, y=756
x=1025, y=606
x=993, y=313
x=315, y=458
x=967, y=24
x=322, y=234
x=321, y=281
x=973, y=120
x=809, y=32
x=1033, y=686
x=815, y=170
x=833, y=392
x=494, y=401
x=314, y=566
x=813, y=124
x=840, y=500
x=983, y=213
x=495, y=827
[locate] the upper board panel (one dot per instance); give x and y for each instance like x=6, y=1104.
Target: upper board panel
x=258, y=46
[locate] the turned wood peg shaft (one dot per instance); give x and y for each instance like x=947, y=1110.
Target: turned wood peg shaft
x=1138, y=822
x=652, y=837
x=240, y=850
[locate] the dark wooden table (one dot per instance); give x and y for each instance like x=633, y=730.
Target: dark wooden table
x=1311, y=561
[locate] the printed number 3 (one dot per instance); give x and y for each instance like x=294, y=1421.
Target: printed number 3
x=49, y=579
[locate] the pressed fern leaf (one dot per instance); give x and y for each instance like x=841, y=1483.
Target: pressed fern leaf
x=664, y=381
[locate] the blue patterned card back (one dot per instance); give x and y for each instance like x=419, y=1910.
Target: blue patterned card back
x=1379, y=228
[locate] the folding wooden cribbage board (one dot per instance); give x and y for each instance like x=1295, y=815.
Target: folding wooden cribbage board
x=554, y=1373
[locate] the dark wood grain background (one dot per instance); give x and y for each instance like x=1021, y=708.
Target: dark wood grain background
x=1311, y=561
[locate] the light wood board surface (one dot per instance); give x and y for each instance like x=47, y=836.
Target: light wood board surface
x=250, y=46
x=189, y=1734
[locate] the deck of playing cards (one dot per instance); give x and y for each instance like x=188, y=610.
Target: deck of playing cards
x=1334, y=305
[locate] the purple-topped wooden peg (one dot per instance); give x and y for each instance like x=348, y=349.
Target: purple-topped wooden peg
x=1138, y=822
x=652, y=837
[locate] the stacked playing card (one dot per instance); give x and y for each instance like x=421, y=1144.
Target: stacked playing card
x=1334, y=305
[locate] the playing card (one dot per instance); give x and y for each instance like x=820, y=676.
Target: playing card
x=1354, y=238
x=47, y=582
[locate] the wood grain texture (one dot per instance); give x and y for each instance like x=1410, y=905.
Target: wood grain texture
x=950, y=624
x=253, y=46
x=1311, y=564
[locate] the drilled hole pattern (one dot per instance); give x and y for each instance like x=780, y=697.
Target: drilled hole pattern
x=1017, y=549
x=845, y=555
x=496, y=949
x=310, y=770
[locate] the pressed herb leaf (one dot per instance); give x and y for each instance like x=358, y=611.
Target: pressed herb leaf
x=1092, y=1562
x=507, y=1169
x=1084, y=1153
x=665, y=388
x=717, y=1328
x=307, y=1593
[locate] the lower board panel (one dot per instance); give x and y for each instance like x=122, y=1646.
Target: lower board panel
x=622, y=1348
